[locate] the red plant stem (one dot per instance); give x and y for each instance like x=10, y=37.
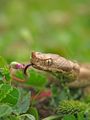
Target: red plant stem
x=18, y=79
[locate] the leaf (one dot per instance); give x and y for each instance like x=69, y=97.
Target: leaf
x=58, y=95
x=12, y=97
x=36, y=79
x=19, y=74
x=81, y=116
x=8, y=94
x=5, y=110
x=29, y=116
x=69, y=117
x=3, y=62
x=53, y=117
x=6, y=73
x=4, y=90
x=1, y=76
x=11, y=117
x=33, y=111
x=23, y=103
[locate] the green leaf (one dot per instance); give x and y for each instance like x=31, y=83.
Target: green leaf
x=23, y=103
x=12, y=97
x=5, y=110
x=19, y=74
x=3, y=63
x=1, y=76
x=81, y=116
x=36, y=79
x=10, y=117
x=29, y=116
x=33, y=111
x=53, y=117
x=8, y=94
x=69, y=117
x=6, y=73
x=5, y=89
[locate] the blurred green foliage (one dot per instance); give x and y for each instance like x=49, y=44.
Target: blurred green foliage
x=14, y=102
x=57, y=26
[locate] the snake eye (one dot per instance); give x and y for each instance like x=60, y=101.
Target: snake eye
x=48, y=62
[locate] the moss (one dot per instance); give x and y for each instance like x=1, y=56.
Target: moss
x=71, y=107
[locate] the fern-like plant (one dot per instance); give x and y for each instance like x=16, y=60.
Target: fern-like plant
x=71, y=107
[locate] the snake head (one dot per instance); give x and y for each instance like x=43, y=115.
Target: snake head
x=41, y=61
x=52, y=62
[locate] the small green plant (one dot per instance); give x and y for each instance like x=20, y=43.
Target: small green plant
x=72, y=107
x=21, y=94
x=14, y=101
x=71, y=110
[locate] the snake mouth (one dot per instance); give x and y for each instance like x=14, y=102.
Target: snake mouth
x=31, y=65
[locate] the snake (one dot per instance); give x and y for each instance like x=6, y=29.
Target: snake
x=76, y=74
x=55, y=64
